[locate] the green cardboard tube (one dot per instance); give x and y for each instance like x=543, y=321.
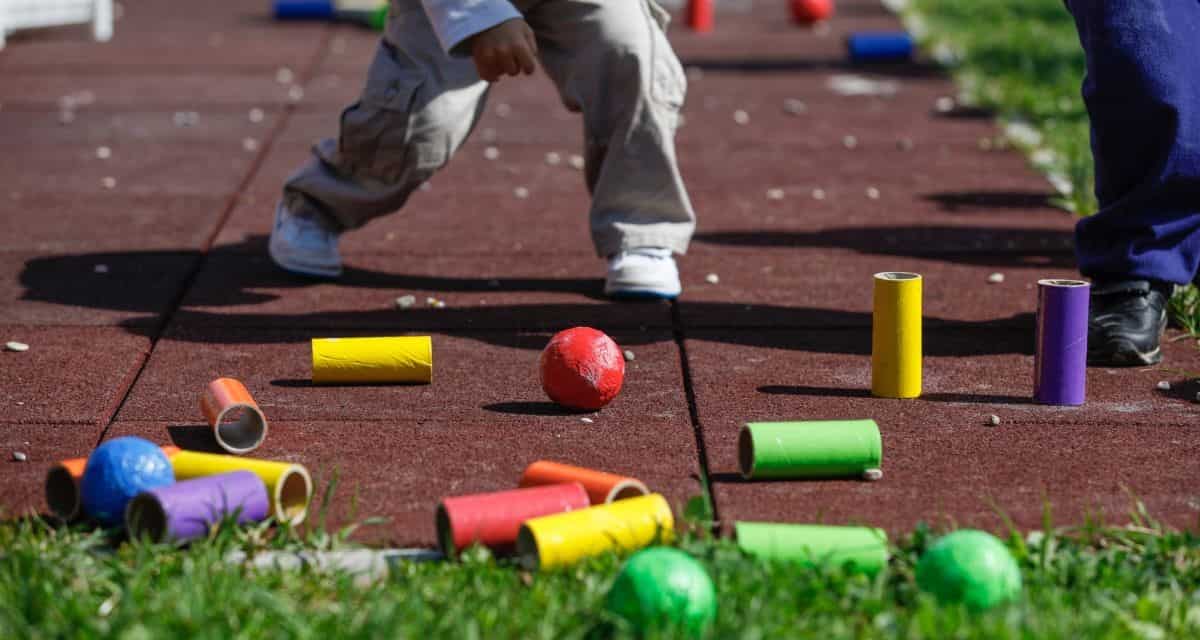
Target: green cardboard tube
x=813, y=449
x=859, y=549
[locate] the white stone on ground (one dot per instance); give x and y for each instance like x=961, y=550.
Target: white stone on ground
x=1163, y=385
x=521, y=192
x=576, y=161
x=741, y=117
x=103, y=153
x=794, y=107
x=284, y=75
x=775, y=194
x=849, y=142
x=995, y=278
x=19, y=456
x=873, y=475
x=818, y=194
x=993, y=420
x=257, y=115
x=16, y=346
x=491, y=153
x=250, y=145
x=553, y=158
x=629, y=355
x=108, y=182
x=712, y=278
x=404, y=302
x=873, y=193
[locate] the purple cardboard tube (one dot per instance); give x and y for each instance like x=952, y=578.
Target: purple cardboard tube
x=185, y=510
x=1060, y=361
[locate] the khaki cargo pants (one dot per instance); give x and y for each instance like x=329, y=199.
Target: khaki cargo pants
x=610, y=60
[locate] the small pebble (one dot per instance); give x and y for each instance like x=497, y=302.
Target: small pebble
x=103, y=153
x=100, y=268
x=66, y=116
x=905, y=144
x=257, y=115
x=404, y=302
x=712, y=278
x=109, y=182
x=873, y=193
x=431, y=301
x=1163, y=385
x=440, y=304
x=250, y=145
x=818, y=194
x=284, y=75
x=629, y=355
x=19, y=456
x=944, y=104
x=296, y=93
x=993, y=420
x=491, y=153
x=576, y=162
x=741, y=117
x=553, y=159
x=774, y=194
x=521, y=192
x=425, y=186
x=16, y=346
x=586, y=420
x=794, y=107
x=996, y=278
x=503, y=110
x=849, y=142
x=873, y=475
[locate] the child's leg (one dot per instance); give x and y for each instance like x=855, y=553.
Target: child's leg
x=418, y=107
x=611, y=59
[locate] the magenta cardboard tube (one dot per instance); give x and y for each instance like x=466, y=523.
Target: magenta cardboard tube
x=186, y=510
x=1060, y=361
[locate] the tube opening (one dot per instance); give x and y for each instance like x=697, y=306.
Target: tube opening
x=898, y=275
x=62, y=493
x=627, y=489
x=240, y=428
x=746, y=452
x=445, y=531
x=527, y=549
x=144, y=517
x=292, y=495
x=1063, y=283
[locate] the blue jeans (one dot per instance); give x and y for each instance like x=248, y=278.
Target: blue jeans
x=1142, y=91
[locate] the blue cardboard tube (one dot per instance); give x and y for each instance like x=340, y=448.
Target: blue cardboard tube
x=879, y=46
x=304, y=10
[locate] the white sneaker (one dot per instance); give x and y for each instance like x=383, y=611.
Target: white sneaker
x=643, y=273
x=304, y=245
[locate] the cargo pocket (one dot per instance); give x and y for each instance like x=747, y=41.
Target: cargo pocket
x=669, y=83
x=375, y=137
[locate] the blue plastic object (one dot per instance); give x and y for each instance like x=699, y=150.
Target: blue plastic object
x=305, y=10
x=117, y=471
x=880, y=46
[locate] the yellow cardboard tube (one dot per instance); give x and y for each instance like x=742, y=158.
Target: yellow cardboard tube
x=896, y=336
x=372, y=360
x=562, y=539
x=288, y=485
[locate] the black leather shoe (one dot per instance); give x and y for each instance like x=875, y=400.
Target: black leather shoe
x=1126, y=321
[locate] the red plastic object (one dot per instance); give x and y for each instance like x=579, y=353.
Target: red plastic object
x=700, y=15
x=493, y=519
x=807, y=12
x=582, y=369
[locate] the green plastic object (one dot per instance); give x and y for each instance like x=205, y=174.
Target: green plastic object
x=664, y=589
x=814, y=449
x=971, y=567
x=857, y=549
x=378, y=20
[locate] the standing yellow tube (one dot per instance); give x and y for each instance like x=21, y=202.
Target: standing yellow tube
x=896, y=336
x=288, y=485
x=562, y=539
x=372, y=360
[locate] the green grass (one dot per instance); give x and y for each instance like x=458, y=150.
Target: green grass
x=1022, y=59
x=1091, y=582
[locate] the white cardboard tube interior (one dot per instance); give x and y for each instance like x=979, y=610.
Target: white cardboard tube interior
x=240, y=428
x=1054, y=282
x=898, y=275
x=62, y=493
x=293, y=493
x=628, y=489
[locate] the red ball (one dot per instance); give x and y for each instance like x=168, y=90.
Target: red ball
x=810, y=11
x=582, y=368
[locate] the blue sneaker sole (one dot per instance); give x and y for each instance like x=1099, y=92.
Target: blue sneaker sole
x=642, y=295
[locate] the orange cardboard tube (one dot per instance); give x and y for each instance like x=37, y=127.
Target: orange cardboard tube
x=238, y=424
x=601, y=487
x=62, y=485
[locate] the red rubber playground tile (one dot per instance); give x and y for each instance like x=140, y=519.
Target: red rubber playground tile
x=940, y=457
x=43, y=445
x=127, y=131
x=85, y=223
x=400, y=469
x=132, y=288
x=198, y=91
x=828, y=287
x=487, y=377
x=69, y=374
x=529, y=292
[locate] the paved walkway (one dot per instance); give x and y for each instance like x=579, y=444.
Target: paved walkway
x=137, y=278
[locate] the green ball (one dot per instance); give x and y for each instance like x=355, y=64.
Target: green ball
x=971, y=567
x=664, y=588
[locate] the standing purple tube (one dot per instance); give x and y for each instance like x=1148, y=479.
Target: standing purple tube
x=1060, y=362
x=185, y=510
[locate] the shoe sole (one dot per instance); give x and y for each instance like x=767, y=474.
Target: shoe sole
x=640, y=294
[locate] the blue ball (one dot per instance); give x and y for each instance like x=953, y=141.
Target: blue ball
x=117, y=471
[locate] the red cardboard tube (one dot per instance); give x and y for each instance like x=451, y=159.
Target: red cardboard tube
x=493, y=519
x=700, y=15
